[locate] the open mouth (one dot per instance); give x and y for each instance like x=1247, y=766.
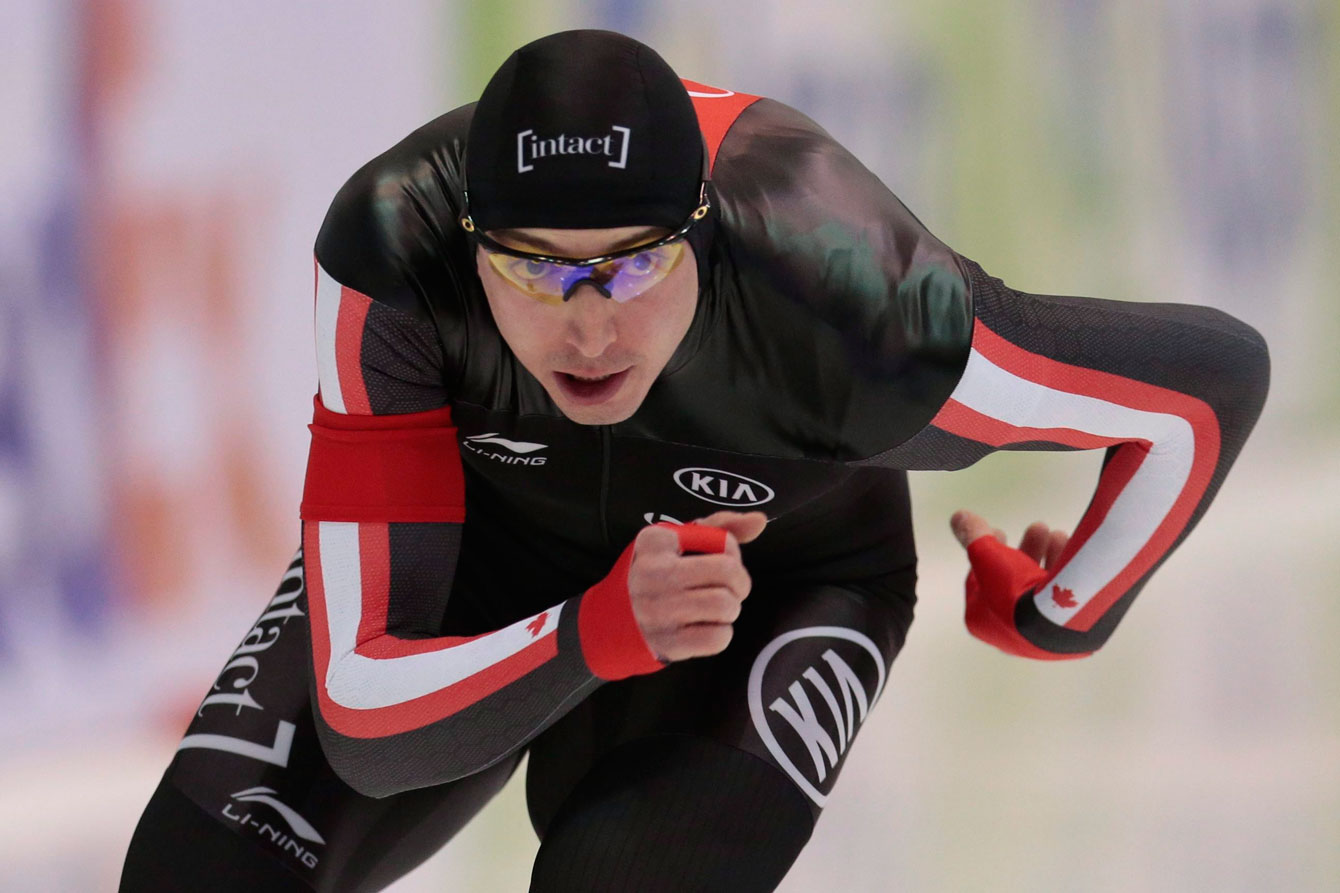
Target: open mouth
x=591, y=389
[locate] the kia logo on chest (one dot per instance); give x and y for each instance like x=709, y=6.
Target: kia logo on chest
x=723, y=487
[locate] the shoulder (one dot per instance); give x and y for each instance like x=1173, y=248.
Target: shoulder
x=819, y=246
x=392, y=226
x=801, y=214
x=775, y=153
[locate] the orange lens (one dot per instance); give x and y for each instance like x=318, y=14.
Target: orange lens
x=623, y=278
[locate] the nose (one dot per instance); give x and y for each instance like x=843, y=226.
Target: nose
x=590, y=326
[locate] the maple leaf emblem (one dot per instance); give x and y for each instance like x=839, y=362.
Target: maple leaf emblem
x=1064, y=598
x=537, y=624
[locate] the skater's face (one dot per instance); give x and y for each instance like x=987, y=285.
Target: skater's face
x=596, y=356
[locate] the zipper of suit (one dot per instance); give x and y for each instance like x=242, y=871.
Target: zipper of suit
x=605, y=446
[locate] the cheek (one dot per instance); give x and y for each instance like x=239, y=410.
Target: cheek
x=523, y=327
x=654, y=328
x=665, y=321
x=519, y=319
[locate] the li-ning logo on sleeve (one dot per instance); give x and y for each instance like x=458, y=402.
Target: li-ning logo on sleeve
x=614, y=145
x=298, y=826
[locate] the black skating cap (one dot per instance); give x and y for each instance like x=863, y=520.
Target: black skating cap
x=581, y=130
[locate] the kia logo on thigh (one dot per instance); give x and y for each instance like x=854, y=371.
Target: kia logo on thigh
x=815, y=717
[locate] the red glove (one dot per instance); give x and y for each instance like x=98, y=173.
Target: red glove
x=1000, y=576
x=611, y=639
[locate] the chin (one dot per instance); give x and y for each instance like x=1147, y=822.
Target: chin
x=603, y=414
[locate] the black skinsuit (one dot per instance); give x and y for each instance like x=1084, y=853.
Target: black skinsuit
x=836, y=344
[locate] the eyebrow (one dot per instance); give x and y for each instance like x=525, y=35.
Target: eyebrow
x=647, y=235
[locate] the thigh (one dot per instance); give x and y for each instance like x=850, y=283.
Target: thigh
x=250, y=802
x=719, y=765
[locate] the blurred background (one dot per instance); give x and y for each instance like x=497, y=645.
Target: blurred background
x=164, y=167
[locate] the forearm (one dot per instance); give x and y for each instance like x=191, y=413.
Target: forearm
x=398, y=708
x=1171, y=391
x=396, y=712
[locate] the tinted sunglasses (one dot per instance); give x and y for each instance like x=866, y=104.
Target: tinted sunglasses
x=620, y=275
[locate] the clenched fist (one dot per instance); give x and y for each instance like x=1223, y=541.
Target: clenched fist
x=685, y=603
